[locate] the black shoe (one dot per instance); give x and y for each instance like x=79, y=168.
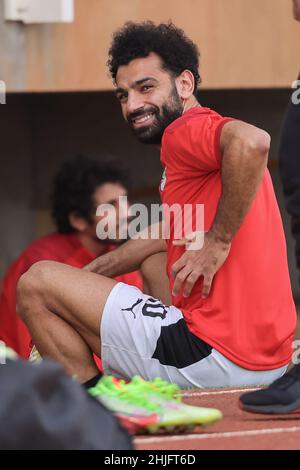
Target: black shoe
x=281, y=397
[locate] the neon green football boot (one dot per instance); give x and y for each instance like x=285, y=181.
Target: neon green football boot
x=151, y=407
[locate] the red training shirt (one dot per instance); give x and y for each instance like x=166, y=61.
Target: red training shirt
x=249, y=315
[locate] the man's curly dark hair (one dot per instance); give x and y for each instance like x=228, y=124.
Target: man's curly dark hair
x=76, y=183
x=137, y=40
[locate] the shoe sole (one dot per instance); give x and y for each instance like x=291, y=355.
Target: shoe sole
x=273, y=409
x=152, y=425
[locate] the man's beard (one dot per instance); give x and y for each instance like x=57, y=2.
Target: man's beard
x=118, y=235
x=170, y=111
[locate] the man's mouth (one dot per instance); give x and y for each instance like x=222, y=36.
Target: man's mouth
x=142, y=120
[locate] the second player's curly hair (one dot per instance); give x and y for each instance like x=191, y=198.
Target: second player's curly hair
x=75, y=185
x=137, y=40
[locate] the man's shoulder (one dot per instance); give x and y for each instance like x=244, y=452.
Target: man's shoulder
x=192, y=118
x=47, y=240
x=50, y=245
x=55, y=247
x=197, y=123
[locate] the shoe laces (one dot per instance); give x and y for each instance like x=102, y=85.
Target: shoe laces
x=137, y=392
x=157, y=386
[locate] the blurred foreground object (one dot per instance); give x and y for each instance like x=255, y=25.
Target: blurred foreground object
x=43, y=408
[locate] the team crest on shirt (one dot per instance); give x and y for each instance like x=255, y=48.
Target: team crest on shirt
x=163, y=180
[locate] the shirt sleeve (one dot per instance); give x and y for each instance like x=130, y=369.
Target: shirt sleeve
x=192, y=146
x=204, y=136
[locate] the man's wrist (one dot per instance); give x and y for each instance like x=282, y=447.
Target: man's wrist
x=220, y=235
x=100, y=265
x=107, y=264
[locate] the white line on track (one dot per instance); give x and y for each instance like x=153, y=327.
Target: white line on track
x=187, y=394
x=217, y=435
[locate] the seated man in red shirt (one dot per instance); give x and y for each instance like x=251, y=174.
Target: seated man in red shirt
x=283, y=395
x=81, y=185
x=231, y=318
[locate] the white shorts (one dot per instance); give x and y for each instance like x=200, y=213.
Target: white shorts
x=141, y=336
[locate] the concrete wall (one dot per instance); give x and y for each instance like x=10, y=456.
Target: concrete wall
x=243, y=43
x=12, y=57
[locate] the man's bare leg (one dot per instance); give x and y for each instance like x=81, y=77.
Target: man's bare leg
x=155, y=277
x=62, y=307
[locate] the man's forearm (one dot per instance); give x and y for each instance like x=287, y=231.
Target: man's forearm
x=128, y=257
x=245, y=155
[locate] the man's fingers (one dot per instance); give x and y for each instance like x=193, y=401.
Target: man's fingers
x=187, y=239
x=189, y=283
x=178, y=266
x=179, y=280
x=207, y=282
x=182, y=242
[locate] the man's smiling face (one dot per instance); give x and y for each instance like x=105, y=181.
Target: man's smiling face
x=148, y=97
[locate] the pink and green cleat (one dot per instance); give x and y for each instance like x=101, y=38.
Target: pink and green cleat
x=151, y=407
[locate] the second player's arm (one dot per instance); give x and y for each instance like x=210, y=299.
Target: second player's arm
x=129, y=256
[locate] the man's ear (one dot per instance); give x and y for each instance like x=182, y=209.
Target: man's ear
x=185, y=84
x=77, y=222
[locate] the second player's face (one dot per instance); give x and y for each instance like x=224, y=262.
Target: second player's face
x=110, y=194
x=148, y=98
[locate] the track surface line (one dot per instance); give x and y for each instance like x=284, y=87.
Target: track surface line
x=217, y=392
x=195, y=437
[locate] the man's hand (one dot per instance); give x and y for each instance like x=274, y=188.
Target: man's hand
x=196, y=263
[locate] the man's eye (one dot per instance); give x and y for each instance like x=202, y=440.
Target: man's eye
x=122, y=97
x=146, y=87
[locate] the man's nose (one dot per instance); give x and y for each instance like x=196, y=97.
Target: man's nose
x=134, y=103
x=122, y=208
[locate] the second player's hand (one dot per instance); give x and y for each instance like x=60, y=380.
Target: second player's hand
x=203, y=262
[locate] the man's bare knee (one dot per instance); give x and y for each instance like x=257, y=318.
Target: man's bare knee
x=30, y=286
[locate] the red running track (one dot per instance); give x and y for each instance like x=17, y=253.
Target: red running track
x=237, y=430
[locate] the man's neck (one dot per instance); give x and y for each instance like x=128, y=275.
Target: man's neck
x=192, y=102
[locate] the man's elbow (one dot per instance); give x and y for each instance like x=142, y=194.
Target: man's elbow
x=259, y=145
x=262, y=143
